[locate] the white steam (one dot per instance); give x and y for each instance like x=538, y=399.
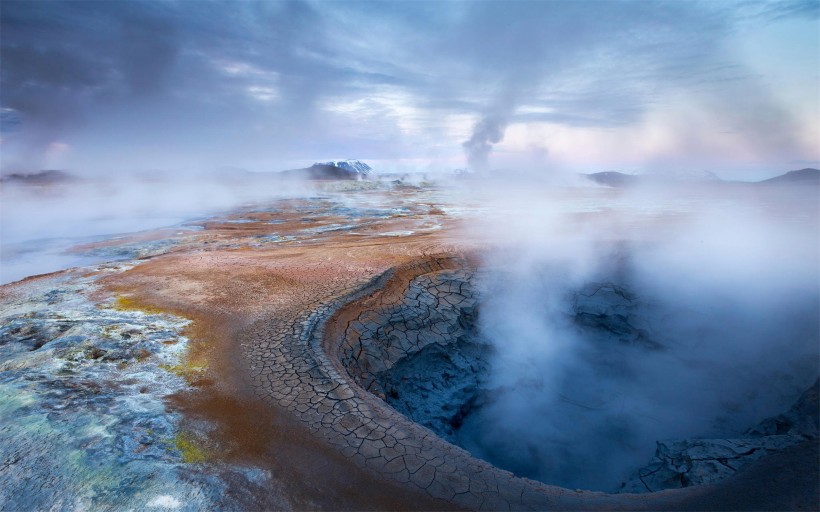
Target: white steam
x=486, y=132
x=725, y=283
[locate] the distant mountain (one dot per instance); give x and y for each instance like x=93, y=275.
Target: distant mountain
x=333, y=170
x=613, y=179
x=351, y=166
x=619, y=179
x=807, y=176
x=616, y=179
x=40, y=178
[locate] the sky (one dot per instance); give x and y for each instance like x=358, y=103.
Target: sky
x=106, y=88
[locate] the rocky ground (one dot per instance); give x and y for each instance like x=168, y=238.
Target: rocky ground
x=688, y=462
x=269, y=360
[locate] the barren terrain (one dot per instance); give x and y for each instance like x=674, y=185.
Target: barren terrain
x=276, y=399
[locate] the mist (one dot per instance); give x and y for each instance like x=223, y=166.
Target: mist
x=712, y=323
x=41, y=225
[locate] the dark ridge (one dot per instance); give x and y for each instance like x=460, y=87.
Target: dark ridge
x=613, y=178
x=40, y=178
x=320, y=172
x=334, y=170
x=807, y=176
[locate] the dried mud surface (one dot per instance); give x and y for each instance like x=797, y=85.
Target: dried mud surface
x=273, y=297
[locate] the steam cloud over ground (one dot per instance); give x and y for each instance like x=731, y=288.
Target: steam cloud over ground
x=714, y=326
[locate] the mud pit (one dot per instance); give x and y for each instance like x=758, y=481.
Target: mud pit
x=416, y=343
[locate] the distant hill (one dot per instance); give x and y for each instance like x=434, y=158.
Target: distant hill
x=619, y=179
x=40, y=178
x=616, y=179
x=807, y=176
x=613, y=179
x=334, y=170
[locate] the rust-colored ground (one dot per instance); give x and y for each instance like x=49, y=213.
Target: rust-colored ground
x=223, y=292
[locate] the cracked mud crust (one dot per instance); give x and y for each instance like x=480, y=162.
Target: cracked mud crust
x=283, y=336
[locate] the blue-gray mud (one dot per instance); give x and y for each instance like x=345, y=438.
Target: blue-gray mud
x=424, y=354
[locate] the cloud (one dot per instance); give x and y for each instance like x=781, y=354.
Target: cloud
x=264, y=74
x=759, y=12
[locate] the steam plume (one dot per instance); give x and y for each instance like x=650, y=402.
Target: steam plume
x=487, y=131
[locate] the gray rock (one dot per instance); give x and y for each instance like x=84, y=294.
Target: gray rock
x=686, y=462
x=422, y=355
x=614, y=311
x=801, y=420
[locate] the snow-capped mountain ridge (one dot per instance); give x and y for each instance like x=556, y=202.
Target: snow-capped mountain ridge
x=352, y=166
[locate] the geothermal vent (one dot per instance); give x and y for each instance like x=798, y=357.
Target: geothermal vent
x=416, y=342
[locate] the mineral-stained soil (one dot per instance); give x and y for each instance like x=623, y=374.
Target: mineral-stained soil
x=297, y=312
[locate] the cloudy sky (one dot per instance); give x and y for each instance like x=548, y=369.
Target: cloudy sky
x=183, y=86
